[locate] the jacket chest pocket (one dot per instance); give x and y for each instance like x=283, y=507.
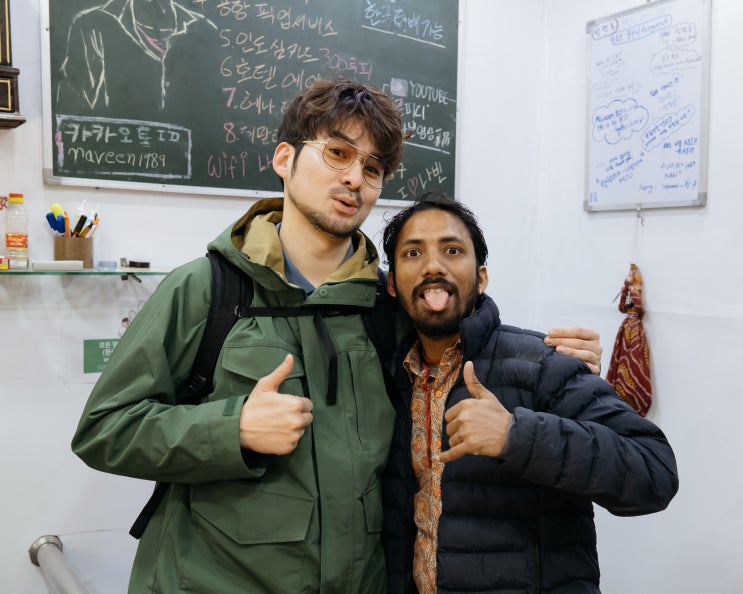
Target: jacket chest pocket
x=243, y=365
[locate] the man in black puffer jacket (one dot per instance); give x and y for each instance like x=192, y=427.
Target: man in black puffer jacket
x=501, y=445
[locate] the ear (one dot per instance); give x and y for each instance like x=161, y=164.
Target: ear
x=482, y=279
x=283, y=157
x=391, y=284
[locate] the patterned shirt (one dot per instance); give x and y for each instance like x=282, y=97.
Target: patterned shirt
x=431, y=387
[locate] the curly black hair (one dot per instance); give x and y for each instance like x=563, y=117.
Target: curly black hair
x=433, y=199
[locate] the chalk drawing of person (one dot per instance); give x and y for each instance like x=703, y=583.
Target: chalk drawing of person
x=133, y=58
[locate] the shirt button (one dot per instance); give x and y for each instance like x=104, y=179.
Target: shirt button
x=439, y=393
x=323, y=292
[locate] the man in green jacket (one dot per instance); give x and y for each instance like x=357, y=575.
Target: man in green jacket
x=275, y=485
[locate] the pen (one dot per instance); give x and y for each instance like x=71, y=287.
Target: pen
x=94, y=225
x=91, y=225
x=87, y=229
x=66, y=224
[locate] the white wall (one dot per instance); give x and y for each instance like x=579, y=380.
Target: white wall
x=694, y=295
x=521, y=112
x=551, y=263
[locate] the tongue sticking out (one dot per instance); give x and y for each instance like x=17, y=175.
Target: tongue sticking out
x=436, y=299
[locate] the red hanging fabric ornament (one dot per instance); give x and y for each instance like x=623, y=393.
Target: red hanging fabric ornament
x=629, y=370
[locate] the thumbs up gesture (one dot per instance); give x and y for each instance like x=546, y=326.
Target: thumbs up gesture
x=272, y=422
x=478, y=425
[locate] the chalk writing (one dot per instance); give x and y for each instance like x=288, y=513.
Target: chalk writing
x=288, y=19
x=235, y=8
x=421, y=103
x=349, y=65
x=388, y=16
x=142, y=162
x=247, y=42
x=228, y=165
x=224, y=80
x=415, y=186
x=109, y=146
x=263, y=135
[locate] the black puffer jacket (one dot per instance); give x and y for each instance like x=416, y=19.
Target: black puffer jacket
x=523, y=522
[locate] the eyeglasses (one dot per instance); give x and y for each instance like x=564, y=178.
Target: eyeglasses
x=340, y=155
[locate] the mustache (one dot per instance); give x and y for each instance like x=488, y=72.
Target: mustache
x=353, y=197
x=443, y=283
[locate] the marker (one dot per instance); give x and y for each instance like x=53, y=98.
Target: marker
x=52, y=222
x=79, y=226
x=66, y=224
x=57, y=210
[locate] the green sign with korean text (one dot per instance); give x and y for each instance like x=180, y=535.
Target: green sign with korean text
x=97, y=352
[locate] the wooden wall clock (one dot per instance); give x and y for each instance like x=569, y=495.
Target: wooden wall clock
x=10, y=116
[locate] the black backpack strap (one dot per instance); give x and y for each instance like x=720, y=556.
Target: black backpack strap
x=381, y=321
x=231, y=291
x=148, y=510
x=381, y=327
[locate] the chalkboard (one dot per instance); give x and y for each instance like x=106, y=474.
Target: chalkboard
x=648, y=86
x=189, y=98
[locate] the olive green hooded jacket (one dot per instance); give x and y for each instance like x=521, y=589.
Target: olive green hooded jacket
x=235, y=521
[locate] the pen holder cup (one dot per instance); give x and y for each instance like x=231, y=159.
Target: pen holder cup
x=74, y=248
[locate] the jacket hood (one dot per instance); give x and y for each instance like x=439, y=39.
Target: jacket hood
x=252, y=243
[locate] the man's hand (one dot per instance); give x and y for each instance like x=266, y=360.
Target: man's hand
x=581, y=343
x=478, y=425
x=271, y=422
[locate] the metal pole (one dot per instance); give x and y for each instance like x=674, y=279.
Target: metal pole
x=46, y=553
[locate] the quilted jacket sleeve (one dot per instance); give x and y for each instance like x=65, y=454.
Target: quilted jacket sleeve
x=584, y=439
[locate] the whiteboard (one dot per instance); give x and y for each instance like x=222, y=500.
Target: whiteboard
x=647, y=107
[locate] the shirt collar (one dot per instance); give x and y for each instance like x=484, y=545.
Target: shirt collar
x=417, y=367
x=295, y=276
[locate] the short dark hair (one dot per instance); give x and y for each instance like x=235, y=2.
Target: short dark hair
x=329, y=103
x=434, y=199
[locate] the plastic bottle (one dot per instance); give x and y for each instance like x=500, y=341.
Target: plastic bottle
x=16, y=232
x=3, y=206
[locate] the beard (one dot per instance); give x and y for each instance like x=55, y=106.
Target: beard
x=331, y=225
x=440, y=324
